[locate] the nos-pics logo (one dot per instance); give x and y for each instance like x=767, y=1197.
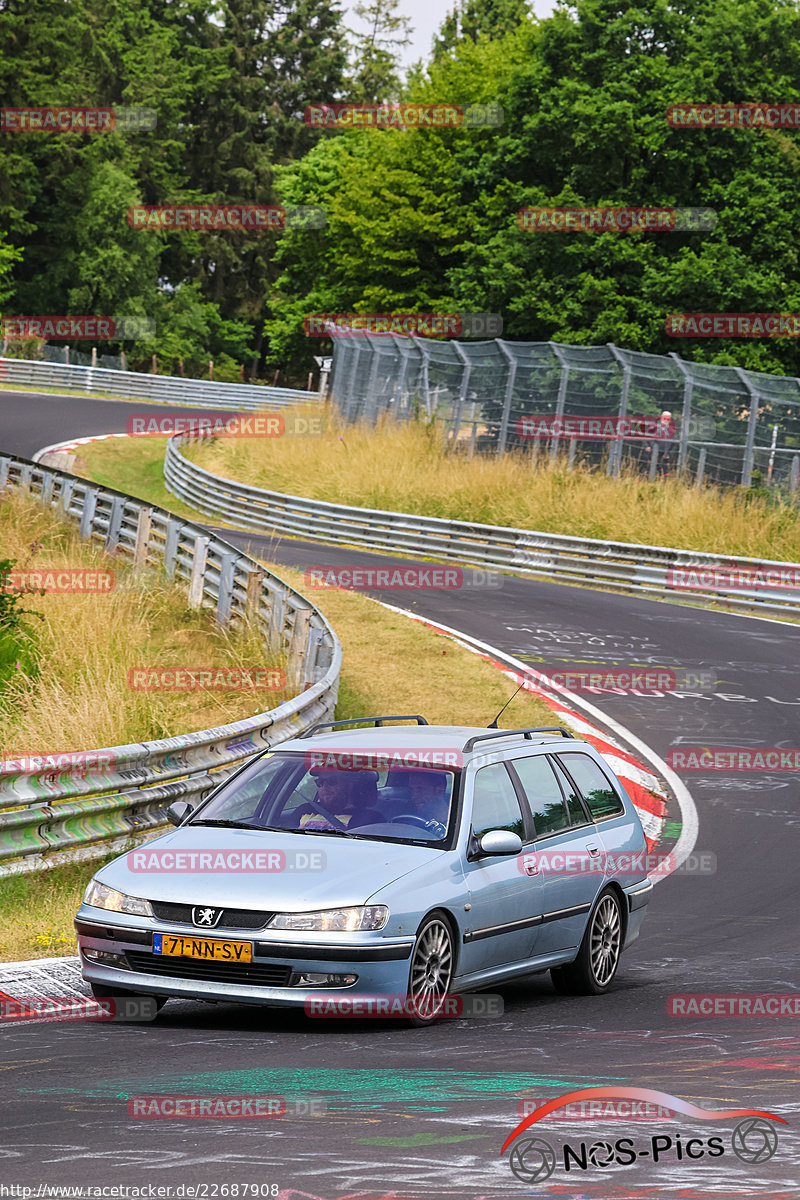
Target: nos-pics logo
x=534, y=1159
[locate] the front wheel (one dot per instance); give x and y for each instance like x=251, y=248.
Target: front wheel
x=598, y=958
x=431, y=970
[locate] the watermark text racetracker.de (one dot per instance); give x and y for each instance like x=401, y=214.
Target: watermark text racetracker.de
x=744, y=1005
x=266, y=425
x=224, y=1108
x=154, y=860
x=66, y=119
x=212, y=679
x=633, y=864
x=406, y=115
x=733, y=759
x=62, y=581
x=77, y=1008
x=346, y=325
x=614, y=219
x=402, y=577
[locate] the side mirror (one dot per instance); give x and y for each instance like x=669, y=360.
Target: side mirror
x=178, y=811
x=500, y=841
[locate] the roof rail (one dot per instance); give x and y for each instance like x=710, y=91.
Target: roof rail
x=376, y=721
x=507, y=733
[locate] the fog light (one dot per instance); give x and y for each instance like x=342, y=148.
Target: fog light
x=313, y=979
x=105, y=958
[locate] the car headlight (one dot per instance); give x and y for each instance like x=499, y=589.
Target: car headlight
x=100, y=896
x=334, y=920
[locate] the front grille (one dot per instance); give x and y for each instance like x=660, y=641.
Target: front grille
x=232, y=918
x=257, y=974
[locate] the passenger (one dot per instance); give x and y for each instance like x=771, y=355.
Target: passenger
x=429, y=795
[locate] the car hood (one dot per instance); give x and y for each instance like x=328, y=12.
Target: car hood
x=350, y=871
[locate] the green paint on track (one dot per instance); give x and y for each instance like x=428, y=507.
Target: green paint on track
x=353, y=1089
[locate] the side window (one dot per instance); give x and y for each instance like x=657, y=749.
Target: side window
x=601, y=798
x=543, y=794
x=494, y=802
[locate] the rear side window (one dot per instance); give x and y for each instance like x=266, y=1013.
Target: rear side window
x=601, y=798
x=495, y=804
x=543, y=794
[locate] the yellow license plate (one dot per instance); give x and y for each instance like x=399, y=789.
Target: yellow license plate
x=191, y=947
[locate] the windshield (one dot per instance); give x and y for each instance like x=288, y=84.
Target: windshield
x=288, y=791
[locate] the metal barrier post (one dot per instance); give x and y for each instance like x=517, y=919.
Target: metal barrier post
x=198, y=572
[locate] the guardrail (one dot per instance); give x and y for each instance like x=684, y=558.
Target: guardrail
x=744, y=584
x=135, y=385
x=57, y=807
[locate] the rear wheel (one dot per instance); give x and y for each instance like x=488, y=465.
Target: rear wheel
x=431, y=970
x=598, y=958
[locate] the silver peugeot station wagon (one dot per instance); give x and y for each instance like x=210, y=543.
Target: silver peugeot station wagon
x=393, y=860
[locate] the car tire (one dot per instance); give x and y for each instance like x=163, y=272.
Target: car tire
x=101, y=991
x=431, y=970
x=593, y=971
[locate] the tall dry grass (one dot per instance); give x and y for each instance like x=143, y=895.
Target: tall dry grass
x=85, y=645
x=404, y=467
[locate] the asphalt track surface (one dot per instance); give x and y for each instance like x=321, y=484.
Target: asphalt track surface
x=418, y=1113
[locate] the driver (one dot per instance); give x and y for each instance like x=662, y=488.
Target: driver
x=348, y=797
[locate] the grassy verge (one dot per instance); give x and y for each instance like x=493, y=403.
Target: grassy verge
x=36, y=911
x=72, y=689
x=404, y=467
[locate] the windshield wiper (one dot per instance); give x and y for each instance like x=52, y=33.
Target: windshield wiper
x=227, y=824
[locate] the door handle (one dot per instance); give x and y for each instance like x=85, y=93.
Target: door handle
x=529, y=865
x=593, y=850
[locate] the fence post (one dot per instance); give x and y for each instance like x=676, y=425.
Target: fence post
x=114, y=524
x=198, y=572
x=750, y=444
x=466, y=367
x=794, y=474
x=617, y=446
x=686, y=414
x=772, y=453
x=571, y=455
x=701, y=466
x=562, y=394
x=143, y=526
x=651, y=474
x=371, y=400
x=512, y=374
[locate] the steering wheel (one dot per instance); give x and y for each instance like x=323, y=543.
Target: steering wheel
x=337, y=824
x=425, y=822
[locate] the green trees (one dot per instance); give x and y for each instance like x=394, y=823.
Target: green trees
x=417, y=219
x=585, y=94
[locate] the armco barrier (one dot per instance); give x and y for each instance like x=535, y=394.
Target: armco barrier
x=590, y=561
x=52, y=813
x=134, y=385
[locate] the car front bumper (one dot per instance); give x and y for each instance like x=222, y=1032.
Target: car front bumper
x=379, y=964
